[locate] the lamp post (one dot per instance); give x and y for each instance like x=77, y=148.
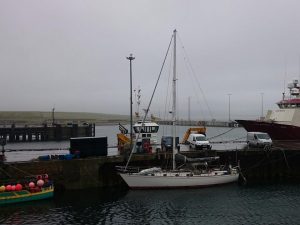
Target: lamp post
x=189, y=108
x=262, y=105
x=130, y=58
x=229, y=119
x=53, y=119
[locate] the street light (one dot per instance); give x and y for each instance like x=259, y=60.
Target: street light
x=130, y=58
x=229, y=107
x=262, y=105
x=189, y=110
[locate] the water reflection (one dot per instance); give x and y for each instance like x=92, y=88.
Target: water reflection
x=230, y=204
x=72, y=207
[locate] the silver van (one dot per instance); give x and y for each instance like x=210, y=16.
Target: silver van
x=258, y=139
x=198, y=141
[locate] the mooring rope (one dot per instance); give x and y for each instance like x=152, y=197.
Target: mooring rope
x=286, y=161
x=230, y=141
x=22, y=171
x=7, y=174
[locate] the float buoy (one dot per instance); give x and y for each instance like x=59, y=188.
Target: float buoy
x=2, y=188
x=31, y=185
x=19, y=187
x=8, y=188
x=40, y=183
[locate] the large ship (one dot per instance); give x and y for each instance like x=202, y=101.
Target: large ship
x=283, y=123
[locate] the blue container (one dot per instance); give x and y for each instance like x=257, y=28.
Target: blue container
x=61, y=157
x=44, y=158
x=89, y=146
x=69, y=156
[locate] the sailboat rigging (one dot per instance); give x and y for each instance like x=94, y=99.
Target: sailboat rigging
x=156, y=178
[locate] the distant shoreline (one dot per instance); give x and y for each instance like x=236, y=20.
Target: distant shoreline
x=38, y=118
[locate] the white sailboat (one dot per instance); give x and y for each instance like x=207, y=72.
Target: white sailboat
x=156, y=178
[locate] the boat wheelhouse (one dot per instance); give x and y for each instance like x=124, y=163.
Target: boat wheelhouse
x=148, y=131
x=147, y=137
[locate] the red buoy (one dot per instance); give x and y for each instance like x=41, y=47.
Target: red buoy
x=19, y=187
x=8, y=188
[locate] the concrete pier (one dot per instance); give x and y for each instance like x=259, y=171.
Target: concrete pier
x=212, y=123
x=77, y=173
x=55, y=132
x=257, y=165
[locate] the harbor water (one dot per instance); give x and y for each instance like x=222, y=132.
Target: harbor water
x=229, y=204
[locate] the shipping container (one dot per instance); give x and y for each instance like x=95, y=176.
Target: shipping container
x=88, y=146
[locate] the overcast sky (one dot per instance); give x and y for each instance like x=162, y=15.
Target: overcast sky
x=72, y=54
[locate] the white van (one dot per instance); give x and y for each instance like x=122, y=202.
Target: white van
x=198, y=141
x=258, y=139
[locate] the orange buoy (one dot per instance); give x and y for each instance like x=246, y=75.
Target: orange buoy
x=2, y=188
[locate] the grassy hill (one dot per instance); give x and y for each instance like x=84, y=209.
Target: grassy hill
x=35, y=117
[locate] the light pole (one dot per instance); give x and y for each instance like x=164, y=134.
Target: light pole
x=262, y=105
x=189, y=110
x=229, y=107
x=53, y=119
x=130, y=58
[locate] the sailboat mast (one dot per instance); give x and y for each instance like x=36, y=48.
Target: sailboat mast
x=174, y=102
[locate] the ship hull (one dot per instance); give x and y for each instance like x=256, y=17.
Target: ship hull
x=276, y=131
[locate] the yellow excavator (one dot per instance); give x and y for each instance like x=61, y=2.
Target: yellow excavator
x=193, y=130
x=123, y=139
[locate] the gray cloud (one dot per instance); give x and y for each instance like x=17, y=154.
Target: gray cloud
x=72, y=54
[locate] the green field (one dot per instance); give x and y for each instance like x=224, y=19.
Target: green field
x=35, y=117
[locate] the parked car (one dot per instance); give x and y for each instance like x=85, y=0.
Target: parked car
x=258, y=139
x=167, y=143
x=198, y=141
